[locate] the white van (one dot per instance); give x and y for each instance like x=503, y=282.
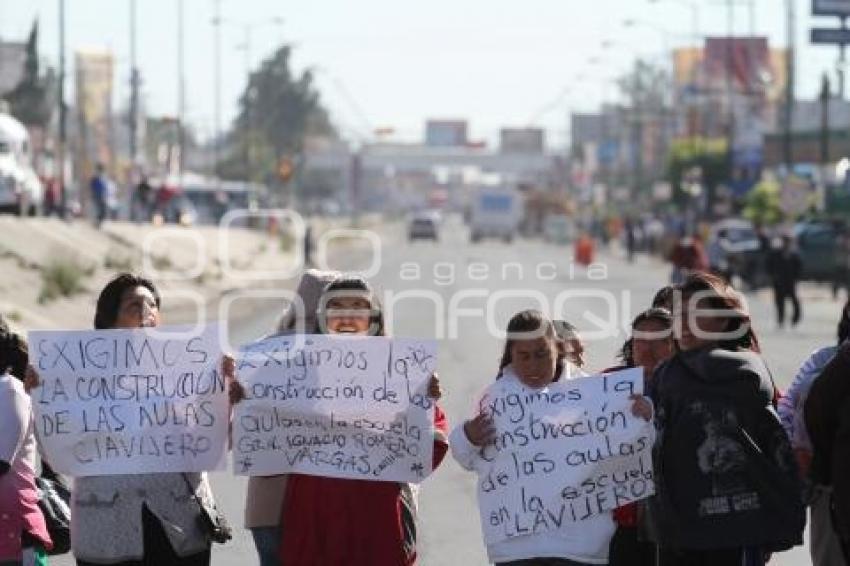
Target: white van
x=21, y=190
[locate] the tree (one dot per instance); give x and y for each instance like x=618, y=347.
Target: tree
x=30, y=99
x=646, y=89
x=763, y=204
x=278, y=111
x=710, y=157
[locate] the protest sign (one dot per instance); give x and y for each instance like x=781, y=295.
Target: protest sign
x=564, y=453
x=335, y=406
x=130, y=401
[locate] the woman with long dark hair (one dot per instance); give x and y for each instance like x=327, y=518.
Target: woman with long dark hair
x=727, y=489
x=151, y=519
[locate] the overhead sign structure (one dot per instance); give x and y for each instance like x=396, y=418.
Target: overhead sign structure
x=831, y=7
x=831, y=36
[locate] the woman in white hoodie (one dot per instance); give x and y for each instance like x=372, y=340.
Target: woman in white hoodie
x=530, y=363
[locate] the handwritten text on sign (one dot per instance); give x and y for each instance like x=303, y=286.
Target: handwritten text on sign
x=565, y=453
x=130, y=401
x=346, y=407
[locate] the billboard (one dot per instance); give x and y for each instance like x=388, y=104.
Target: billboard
x=831, y=7
x=445, y=133
x=521, y=140
x=93, y=86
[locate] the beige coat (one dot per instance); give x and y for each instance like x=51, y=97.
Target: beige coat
x=264, y=503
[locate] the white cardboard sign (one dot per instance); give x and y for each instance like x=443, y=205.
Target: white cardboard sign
x=130, y=401
x=344, y=407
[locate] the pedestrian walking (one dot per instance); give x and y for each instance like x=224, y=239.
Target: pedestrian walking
x=727, y=489
x=785, y=268
x=348, y=522
x=631, y=229
x=824, y=544
x=143, y=200
x=308, y=246
x=24, y=539
x=584, y=250
x=688, y=256
x=99, y=186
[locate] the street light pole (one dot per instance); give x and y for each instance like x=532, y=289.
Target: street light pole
x=63, y=110
x=787, y=150
x=249, y=106
x=181, y=95
x=217, y=86
x=134, y=88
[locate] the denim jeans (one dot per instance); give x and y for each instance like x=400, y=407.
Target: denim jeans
x=267, y=541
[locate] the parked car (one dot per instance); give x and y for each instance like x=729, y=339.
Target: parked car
x=817, y=242
x=422, y=227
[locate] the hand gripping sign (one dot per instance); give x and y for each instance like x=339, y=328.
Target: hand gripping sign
x=343, y=407
x=564, y=453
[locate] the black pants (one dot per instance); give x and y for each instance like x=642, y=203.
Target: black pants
x=780, y=295
x=627, y=549
x=158, y=551
x=719, y=557
x=100, y=210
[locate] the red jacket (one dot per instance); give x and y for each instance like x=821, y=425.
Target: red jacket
x=346, y=522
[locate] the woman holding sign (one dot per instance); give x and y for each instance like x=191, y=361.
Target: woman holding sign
x=352, y=522
x=531, y=361
x=265, y=493
x=727, y=491
x=149, y=519
x=23, y=533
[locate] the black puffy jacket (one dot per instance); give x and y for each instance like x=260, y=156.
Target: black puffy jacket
x=725, y=474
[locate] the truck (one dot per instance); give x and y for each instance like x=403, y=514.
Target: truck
x=496, y=212
x=21, y=191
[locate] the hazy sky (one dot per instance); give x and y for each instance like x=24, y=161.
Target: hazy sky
x=394, y=63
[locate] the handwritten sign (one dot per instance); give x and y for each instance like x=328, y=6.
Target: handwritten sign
x=565, y=453
x=130, y=401
x=344, y=407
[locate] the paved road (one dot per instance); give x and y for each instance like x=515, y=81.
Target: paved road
x=450, y=533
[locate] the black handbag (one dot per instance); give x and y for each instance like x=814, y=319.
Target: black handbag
x=54, y=500
x=211, y=519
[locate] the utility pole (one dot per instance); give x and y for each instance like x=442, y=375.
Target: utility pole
x=730, y=100
x=824, y=119
x=842, y=60
x=249, y=106
x=63, y=110
x=181, y=95
x=217, y=86
x=134, y=90
x=787, y=150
